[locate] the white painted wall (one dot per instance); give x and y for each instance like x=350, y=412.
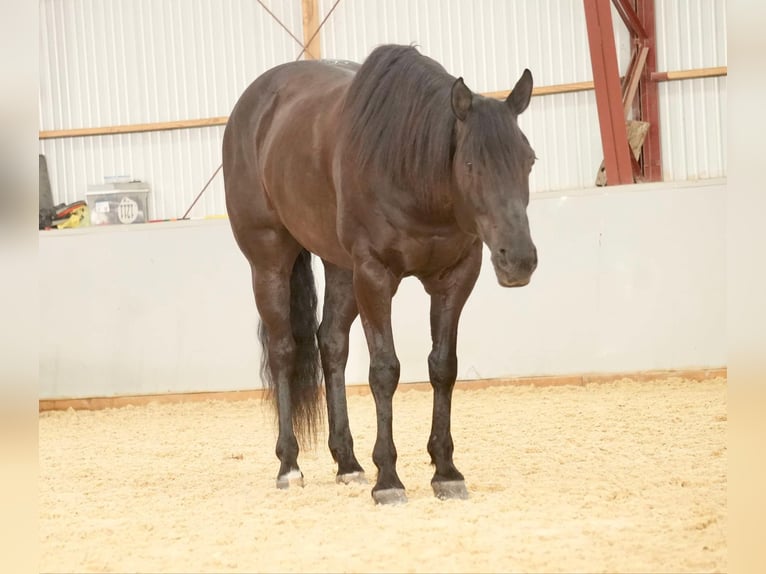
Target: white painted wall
x=630, y=278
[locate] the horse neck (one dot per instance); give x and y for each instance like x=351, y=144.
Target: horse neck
x=436, y=200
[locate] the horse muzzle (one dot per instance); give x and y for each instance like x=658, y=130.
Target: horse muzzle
x=514, y=270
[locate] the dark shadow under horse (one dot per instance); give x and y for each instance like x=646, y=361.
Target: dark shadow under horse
x=389, y=169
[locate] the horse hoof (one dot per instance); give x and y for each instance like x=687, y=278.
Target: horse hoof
x=390, y=496
x=356, y=477
x=450, y=489
x=291, y=479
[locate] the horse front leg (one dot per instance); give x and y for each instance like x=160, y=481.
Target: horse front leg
x=449, y=291
x=374, y=287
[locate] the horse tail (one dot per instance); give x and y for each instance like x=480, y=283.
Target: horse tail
x=305, y=380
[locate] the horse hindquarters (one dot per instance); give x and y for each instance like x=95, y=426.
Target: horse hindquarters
x=285, y=295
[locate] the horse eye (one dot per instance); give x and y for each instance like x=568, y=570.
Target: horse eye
x=469, y=166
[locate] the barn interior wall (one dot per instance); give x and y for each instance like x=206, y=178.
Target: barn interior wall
x=115, y=62
x=630, y=279
x=692, y=113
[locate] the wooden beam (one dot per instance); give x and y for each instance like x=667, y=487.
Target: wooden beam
x=221, y=120
x=311, y=43
x=97, y=403
x=634, y=77
x=690, y=74
x=585, y=86
x=133, y=128
x=545, y=90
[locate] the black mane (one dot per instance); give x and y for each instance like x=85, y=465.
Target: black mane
x=399, y=119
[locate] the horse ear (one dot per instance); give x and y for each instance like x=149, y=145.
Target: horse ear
x=518, y=99
x=462, y=99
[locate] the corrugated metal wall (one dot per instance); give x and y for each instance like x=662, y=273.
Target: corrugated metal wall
x=692, y=35
x=489, y=43
x=113, y=62
x=109, y=62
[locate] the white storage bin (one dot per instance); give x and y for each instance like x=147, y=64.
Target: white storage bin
x=118, y=203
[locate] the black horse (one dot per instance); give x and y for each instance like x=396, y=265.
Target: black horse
x=389, y=169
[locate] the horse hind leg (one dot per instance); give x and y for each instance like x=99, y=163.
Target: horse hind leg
x=283, y=286
x=285, y=294
x=338, y=314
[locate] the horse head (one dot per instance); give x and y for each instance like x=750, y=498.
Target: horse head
x=491, y=166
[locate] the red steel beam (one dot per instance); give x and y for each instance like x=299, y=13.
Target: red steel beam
x=606, y=79
x=631, y=19
x=651, y=154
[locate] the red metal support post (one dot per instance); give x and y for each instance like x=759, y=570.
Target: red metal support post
x=631, y=19
x=606, y=79
x=651, y=154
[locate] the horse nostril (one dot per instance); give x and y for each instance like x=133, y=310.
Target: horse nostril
x=529, y=262
x=525, y=262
